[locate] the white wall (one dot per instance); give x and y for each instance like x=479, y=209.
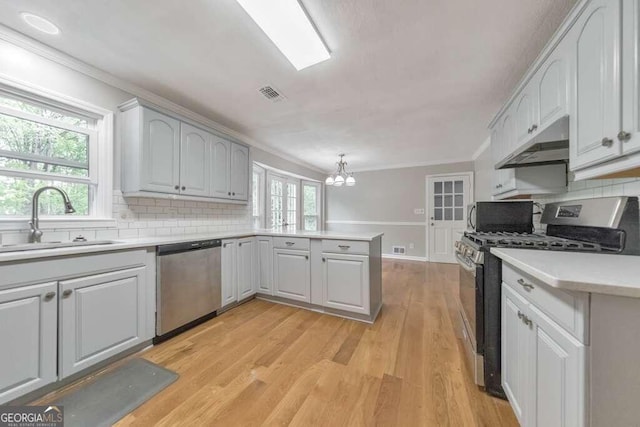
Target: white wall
x=384, y=201
x=134, y=216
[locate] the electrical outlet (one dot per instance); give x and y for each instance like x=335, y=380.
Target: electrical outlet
x=418, y=211
x=412, y=246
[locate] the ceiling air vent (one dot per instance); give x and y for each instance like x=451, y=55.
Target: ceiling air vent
x=271, y=93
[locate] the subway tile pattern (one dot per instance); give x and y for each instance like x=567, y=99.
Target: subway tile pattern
x=146, y=217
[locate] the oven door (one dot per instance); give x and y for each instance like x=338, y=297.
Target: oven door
x=470, y=294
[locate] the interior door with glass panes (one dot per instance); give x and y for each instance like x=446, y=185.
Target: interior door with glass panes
x=283, y=203
x=448, y=197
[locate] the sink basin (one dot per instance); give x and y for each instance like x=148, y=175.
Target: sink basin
x=21, y=247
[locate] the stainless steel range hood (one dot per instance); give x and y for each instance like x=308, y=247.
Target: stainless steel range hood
x=550, y=146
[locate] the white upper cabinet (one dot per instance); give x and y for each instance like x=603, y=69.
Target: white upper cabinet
x=168, y=155
x=239, y=172
x=596, y=102
x=552, y=88
x=525, y=119
x=220, y=164
x=195, y=161
x=160, y=152
x=629, y=135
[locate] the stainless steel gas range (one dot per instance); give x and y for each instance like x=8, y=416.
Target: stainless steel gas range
x=607, y=225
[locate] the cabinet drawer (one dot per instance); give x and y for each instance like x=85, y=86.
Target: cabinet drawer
x=568, y=309
x=345, y=247
x=290, y=243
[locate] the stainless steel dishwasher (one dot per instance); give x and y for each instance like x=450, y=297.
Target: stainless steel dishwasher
x=188, y=286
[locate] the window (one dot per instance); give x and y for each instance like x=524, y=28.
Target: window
x=310, y=206
x=257, y=198
x=44, y=142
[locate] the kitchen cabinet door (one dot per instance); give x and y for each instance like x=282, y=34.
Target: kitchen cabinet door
x=525, y=126
x=596, y=102
x=28, y=337
x=345, y=282
x=630, y=132
x=292, y=274
x=246, y=264
x=559, y=367
x=220, y=168
x=507, y=177
x=195, y=161
x=239, y=172
x=160, y=152
x=516, y=339
x=553, y=88
x=229, y=272
x=100, y=316
x=265, y=265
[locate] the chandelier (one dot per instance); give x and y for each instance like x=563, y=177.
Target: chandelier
x=341, y=177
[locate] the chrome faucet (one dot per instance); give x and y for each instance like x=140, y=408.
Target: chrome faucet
x=35, y=235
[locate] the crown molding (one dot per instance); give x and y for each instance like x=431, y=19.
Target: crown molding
x=409, y=165
x=481, y=149
x=27, y=43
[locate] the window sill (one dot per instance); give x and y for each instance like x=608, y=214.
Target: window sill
x=21, y=224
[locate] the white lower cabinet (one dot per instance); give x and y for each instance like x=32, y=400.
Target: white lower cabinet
x=345, y=282
x=100, y=316
x=246, y=268
x=292, y=274
x=264, y=265
x=543, y=366
x=28, y=335
x=515, y=349
x=229, y=272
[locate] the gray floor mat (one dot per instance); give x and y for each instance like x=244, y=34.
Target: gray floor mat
x=114, y=394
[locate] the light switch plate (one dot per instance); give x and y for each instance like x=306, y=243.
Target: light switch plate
x=418, y=211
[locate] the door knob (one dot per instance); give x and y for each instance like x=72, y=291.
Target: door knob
x=607, y=142
x=624, y=136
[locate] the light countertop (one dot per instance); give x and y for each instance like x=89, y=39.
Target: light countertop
x=575, y=271
x=145, y=242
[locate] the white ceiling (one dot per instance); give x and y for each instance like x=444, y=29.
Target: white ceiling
x=409, y=81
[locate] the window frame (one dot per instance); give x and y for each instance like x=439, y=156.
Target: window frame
x=319, y=205
x=262, y=189
x=101, y=156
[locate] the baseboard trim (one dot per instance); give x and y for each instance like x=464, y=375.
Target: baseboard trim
x=405, y=257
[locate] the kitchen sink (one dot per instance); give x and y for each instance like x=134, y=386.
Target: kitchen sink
x=21, y=247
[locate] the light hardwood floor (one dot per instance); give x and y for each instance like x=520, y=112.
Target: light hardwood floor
x=263, y=363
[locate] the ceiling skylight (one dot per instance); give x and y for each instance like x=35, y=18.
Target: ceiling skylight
x=289, y=28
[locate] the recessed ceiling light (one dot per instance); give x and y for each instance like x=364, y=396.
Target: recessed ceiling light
x=289, y=28
x=40, y=23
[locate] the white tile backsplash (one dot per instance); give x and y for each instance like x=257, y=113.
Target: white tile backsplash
x=147, y=217
x=593, y=188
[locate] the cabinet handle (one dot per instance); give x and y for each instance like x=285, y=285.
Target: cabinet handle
x=624, y=136
x=229, y=193
x=177, y=187
x=607, y=142
x=184, y=188
x=529, y=131
x=239, y=244
x=324, y=259
x=289, y=243
x=49, y=296
x=306, y=257
x=224, y=245
x=67, y=293
x=344, y=247
x=233, y=194
x=527, y=286
x=534, y=128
